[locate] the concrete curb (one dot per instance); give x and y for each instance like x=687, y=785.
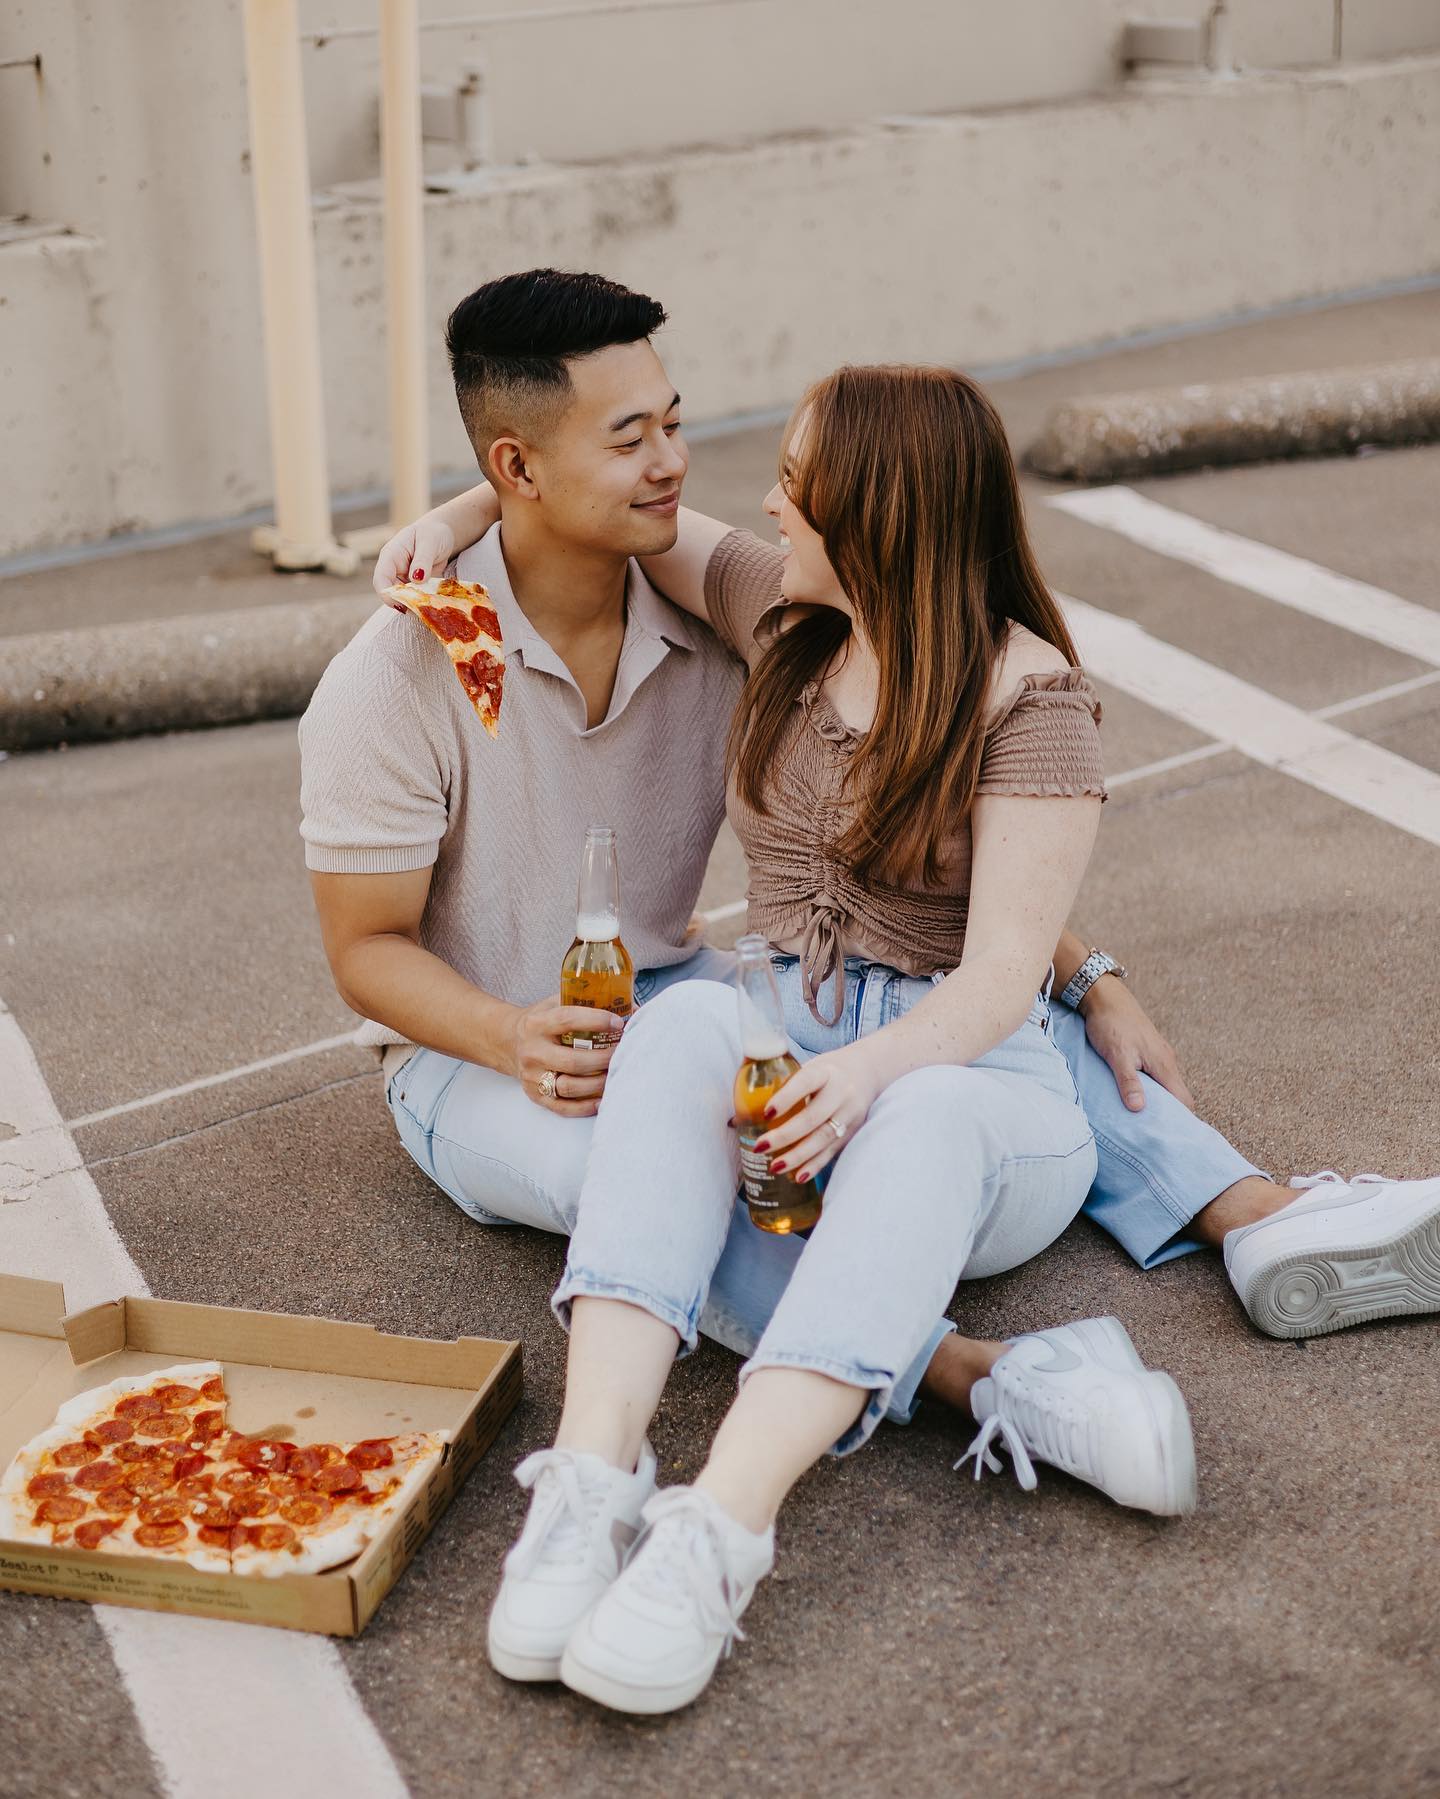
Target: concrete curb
x=1115, y=437
x=171, y=673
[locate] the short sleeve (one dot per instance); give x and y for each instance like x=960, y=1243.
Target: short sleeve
x=742, y=584
x=372, y=780
x=1046, y=740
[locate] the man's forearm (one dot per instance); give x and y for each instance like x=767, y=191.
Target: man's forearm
x=397, y=983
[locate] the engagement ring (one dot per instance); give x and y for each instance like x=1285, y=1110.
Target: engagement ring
x=838, y=1128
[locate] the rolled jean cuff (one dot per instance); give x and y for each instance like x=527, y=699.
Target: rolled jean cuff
x=904, y=1400
x=579, y=1283
x=879, y=1388
x=1148, y=1218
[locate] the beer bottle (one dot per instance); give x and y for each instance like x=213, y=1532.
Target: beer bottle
x=776, y=1202
x=597, y=970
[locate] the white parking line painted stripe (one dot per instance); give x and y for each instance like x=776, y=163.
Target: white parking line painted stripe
x=278, y=1713
x=731, y=910
x=215, y=1080
x=1275, y=574
x=1268, y=730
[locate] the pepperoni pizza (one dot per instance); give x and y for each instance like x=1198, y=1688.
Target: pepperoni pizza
x=461, y=616
x=147, y=1466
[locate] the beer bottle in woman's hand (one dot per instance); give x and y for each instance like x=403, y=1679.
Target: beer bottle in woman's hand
x=776, y=1203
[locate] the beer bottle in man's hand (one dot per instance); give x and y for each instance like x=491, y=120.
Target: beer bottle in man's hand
x=597, y=970
x=776, y=1202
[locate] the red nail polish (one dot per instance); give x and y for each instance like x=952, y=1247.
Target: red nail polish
x=417, y=574
x=769, y=1111
x=775, y=1167
x=762, y=1148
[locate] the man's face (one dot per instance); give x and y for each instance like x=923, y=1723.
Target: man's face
x=609, y=472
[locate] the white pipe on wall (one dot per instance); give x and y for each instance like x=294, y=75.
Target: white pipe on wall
x=404, y=187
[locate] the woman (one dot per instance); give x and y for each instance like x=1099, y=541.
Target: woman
x=916, y=781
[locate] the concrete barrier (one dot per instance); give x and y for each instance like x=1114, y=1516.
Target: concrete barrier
x=169, y=674
x=1117, y=437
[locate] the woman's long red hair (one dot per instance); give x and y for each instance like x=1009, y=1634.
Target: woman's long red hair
x=907, y=475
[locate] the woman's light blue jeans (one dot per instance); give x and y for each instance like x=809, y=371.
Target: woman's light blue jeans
x=956, y=1173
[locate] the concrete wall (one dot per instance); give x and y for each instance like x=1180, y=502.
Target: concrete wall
x=131, y=385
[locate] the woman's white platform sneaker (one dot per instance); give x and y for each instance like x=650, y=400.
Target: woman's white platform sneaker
x=653, y=1641
x=584, y=1515
x=1080, y=1398
x=1343, y=1253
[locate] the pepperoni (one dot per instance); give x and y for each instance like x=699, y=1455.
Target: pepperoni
x=482, y=677
x=163, y=1424
x=149, y=1477
x=308, y=1508
x=211, y=1513
x=217, y=1536
x=269, y=1536
x=113, y=1430
x=48, y=1486
x=286, y=1485
x=89, y=1534
x=312, y=1458
x=173, y=1396
x=160, y=1536
x=343, y=1479
x=73, y=1455
x=138, y=1405
x=258, y=1504
x=189, y=1466
x=205, y=1426
x=116, y=1498
x=167, y=1510
x=240, y=1480
x=95, y=1475
x=214, y=1388
x=59, y=1511
x=196, y=1486
x=450, y=623
x=261, y=1454
x=374, y=1452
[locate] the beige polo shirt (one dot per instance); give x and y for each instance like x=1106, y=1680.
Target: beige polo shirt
x=398, y=773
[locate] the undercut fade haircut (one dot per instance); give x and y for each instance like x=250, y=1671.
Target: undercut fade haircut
x=511, y=341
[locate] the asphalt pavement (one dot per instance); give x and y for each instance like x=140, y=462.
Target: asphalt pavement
x=922, y=1634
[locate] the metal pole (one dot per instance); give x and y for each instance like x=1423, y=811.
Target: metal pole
x=301, y=536
x=404, y=182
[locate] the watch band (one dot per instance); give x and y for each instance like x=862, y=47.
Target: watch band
x=1086, y=975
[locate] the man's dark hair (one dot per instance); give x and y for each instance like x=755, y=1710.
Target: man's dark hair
x=510, y=343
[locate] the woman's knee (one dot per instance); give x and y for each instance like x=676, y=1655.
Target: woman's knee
x=691, y=1018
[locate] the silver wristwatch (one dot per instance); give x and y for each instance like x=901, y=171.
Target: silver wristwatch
x=1086, y=975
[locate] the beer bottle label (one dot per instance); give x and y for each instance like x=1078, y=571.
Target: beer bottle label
x=756, y=1176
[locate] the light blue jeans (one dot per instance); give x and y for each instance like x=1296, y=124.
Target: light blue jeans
x=505, y=1161
x=955, y=1173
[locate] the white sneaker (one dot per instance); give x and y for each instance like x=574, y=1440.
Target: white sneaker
x=654, y=1639
x=1080, y=1398
x=1347, y=1252
x=583, y=1517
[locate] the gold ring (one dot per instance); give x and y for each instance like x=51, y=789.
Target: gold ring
x=547, y=1084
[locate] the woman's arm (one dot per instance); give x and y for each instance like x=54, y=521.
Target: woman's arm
x=1029, y=857
x=436, y=538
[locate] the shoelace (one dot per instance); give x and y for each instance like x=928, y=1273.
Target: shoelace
x=558, y=1526
x=1022, y=1423
x=673, y=1571
x=1327, y=1177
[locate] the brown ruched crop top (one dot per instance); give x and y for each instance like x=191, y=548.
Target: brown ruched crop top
x=1044, y=740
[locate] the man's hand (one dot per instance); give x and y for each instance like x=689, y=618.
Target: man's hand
x=1120, y=1029
x=580, y=1072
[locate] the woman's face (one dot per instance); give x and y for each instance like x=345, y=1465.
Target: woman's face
x=808, y=579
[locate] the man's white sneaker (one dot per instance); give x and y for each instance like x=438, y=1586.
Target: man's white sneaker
x=1080, y=1398
x=583, y=1517
x=1344, y=1253
x=653, y=1641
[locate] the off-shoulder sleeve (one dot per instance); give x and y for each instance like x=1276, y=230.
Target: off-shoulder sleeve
x=1046, y=740
x=742, y=584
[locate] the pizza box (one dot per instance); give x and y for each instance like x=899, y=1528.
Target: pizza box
x=297, y=1379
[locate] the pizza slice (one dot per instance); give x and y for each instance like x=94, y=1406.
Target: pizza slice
x=461, y=616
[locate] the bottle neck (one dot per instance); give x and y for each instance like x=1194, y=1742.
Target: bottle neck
x=762, y=1026
x=597, y=903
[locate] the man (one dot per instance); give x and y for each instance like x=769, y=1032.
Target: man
x=443, y=863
